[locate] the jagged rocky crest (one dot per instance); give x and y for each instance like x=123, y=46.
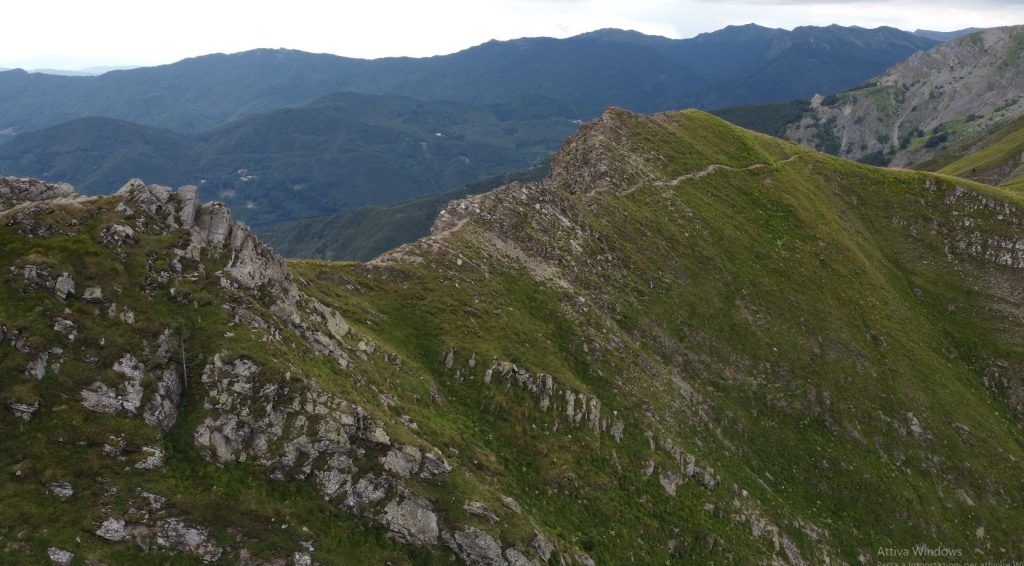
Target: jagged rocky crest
x=283, y=422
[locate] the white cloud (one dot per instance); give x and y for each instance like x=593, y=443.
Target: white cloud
x=75, y=34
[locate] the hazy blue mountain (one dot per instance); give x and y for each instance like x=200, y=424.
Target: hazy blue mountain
x=736, y=65
x=342, y=151
x=945, y=36
x=364, y=232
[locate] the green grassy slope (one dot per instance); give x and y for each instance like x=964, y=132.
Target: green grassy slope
x=993, y=158
x=782, y=324
x=795, y=358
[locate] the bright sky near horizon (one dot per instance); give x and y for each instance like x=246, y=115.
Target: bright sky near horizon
x=72, y=34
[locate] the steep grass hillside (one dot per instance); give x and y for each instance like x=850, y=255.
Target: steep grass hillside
x=994, y=157
x=689, y=344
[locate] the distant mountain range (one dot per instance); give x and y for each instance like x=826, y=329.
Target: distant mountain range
x=587, y=73
x=268, y=132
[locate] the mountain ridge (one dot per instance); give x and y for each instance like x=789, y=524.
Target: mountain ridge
x=689, y=342
x=221, y=87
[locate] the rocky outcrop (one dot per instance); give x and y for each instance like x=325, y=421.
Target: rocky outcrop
x=411, y=520
x=178, y=535
x=271, y=416
x=475, y=547
x=15, y=190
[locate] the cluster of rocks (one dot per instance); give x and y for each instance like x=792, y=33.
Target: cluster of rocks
x=125, y=396
x=574, y=407
x=966, y=236
x=148, y=524
x=15, y=189
x=282, y=421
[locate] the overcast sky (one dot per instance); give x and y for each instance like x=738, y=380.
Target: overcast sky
x=73, y=34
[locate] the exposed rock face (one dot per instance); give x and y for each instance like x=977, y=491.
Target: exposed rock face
x=13, y=190
x=62, y=490
x=60, y=556
x=210, y=227
x=480, y=510
x=162, y=409
x=958, y=82
x=124, y=398
x=268, y=416
x=403, y=461
x=112, y=529
x=24, y=411
x=64, y=286
x=178, y=535
x=411, y=520
x=476, y=547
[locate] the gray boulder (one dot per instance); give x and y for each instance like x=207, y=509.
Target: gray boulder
x=125, y=398
x=24, y=411
x=64, y=286
x=411, y=521
x=60, y=556
x=162, y=409
x=112, y=529
x=476, y=547
x=178, y=535
x=403, y=461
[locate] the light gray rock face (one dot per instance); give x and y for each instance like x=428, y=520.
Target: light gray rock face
x=516, y=557
x=64, y=287
x=411, y=521
x=403, y=461
x=66, y=328
x=216, y=219
x=24, y=411
x=37, y=368
x=93, y=295
x=62, y=489
x=434, y=465
x=162, y=409
x=124, y=398
x=153, y=458
x=543, y=546
x=511, y=504
x=188, y=197
x=254, y=265
x=112, y=529
x=302, y=559
x=370, y=489
x=616, y=431
x=177, y=535
x=480, y=510
x=14, y=189
x=60, y=556
x=476, y=547
x=117, y=236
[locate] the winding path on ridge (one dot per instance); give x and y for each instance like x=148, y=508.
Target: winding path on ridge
x=704, y=173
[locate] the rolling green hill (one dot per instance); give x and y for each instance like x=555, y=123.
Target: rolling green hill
x=362, y=233
x=689, y=344
x=343, y=151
